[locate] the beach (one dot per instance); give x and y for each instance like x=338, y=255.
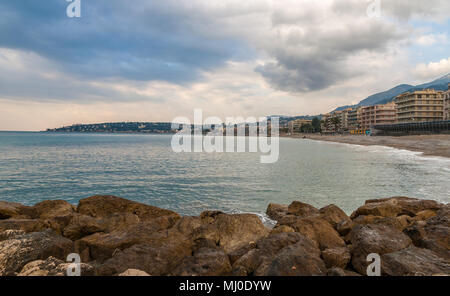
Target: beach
x=431, y=145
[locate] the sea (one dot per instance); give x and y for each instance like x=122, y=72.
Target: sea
x=37, y=166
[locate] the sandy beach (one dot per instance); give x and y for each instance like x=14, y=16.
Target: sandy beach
x=433, y=145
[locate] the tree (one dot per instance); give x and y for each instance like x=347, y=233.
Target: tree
x=316, y=124
x=335, y=121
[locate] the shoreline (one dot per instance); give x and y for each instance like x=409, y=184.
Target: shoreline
x=428, y=145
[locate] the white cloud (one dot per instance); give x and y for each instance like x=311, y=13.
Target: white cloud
x=433, y=70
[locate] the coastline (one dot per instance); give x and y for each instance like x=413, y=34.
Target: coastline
x=429, y=145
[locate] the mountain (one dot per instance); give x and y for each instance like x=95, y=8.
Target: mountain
x=389, y=95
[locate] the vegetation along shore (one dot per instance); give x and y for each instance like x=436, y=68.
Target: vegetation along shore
x=115, y=236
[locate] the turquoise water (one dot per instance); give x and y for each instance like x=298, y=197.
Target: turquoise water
x=40, y=166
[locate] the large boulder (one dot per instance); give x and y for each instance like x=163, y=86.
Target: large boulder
x=281, y=254
x=27, y=225
x=52, y=208
x=379, y=239
x=414, y=261
x=276, y=211
x=301, y=209
x=396, y=206
x=13, y=210
x=433, y=233
x=101, y=246
x=204, y=262
x=53, y=267
x=334, y=215
x=315, y=228
x=230, y=232
x=103, y=206
x=336, y=257
x=19, y=249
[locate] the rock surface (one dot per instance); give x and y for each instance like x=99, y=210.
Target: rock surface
x=115, y=236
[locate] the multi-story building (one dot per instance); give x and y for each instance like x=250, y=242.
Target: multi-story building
x=420, y=106
x=447, y=104
x=295, y=126
x=353, y=119
x=377, y=115
x=343, y=119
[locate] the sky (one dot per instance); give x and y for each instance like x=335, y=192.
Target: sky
x=153, y=60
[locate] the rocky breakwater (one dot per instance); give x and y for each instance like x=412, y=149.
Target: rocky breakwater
x=115, y=236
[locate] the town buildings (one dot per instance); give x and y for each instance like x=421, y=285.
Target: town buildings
x=447, y=104
x=296, y=125
x=420, y=106
x=377, y=115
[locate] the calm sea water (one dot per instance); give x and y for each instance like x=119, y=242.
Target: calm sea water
x=40, y=166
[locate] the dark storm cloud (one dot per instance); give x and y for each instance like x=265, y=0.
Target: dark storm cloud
x=137, y=40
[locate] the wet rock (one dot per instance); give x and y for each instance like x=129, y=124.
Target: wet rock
x=301, y=209
x=414, y=261
x=317, y=229
x=20, y=249
x=334, y=215
x=336, y=257
x=134, y=272
x=204, y=262
x=380, y=239
x=103, y=206
x=12, y=210
x=276, y=211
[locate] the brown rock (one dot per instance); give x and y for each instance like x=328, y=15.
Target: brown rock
x=230, y=232
x=103, y=206
x=424, y=215
x=379, y=220
x=276, y=211
x=53, y=267
x=12, y=210
x=101, y=246
x=433, y=234
x=336, y=257
x=81, y=226
x=317, y=229
x=344, y=227
x=380, y=239
x=52, y=208
x=204, y=262
x=334, y=215
x=134, y=272
x=20, y=249
x=396, y=206
x=281, y=229
x=336, y=271
x=281, y=254
x=414, y=261
x=301, y=209
x=27, y=225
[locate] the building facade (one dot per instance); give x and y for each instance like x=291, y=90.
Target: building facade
x=377, y=115
x=295, y=126
x=420, y=106
x=447, y=104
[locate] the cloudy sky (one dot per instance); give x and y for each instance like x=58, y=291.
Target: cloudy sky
x=154, y=60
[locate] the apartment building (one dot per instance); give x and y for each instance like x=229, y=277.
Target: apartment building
x=377, y=115
x=447, y=104
x=420, y=106
x=295, y=126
